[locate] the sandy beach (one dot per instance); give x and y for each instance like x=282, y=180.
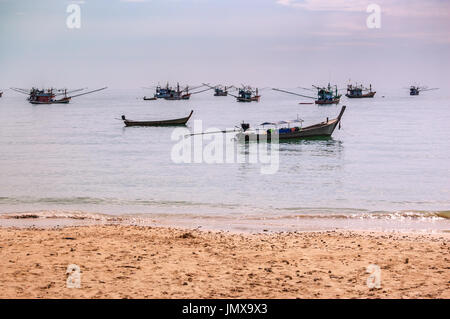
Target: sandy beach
x=154, y=262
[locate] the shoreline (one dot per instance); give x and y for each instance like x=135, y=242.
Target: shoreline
x=406, y=222
x=119, y=261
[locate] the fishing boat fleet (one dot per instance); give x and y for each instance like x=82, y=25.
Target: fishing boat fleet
x=283, y=130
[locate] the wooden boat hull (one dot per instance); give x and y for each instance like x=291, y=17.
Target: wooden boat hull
x=221, y=94
x=367, y=95
x=252, y=99
x=326, y=102
x=61, y=101
x=176, y=98
x=174, y=122
x=150, y=98
x=324, y=129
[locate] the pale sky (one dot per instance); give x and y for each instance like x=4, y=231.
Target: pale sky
x=283, y=43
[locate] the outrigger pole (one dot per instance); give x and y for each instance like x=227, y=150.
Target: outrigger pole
x=89, y=92
x=23, y=91
x=310, y=97
x=73, y=91
x=210, y=88
x=423, y=90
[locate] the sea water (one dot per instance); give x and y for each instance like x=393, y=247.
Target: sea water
x=386, y=168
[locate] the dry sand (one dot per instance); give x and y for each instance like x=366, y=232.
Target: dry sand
x=150, y=262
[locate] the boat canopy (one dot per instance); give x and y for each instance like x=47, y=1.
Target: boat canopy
x=282, y=122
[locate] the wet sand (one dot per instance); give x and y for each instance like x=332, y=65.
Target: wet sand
x=155, y=262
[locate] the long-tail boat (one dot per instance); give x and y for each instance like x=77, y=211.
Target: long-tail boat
x=173, y=122
x=320, y=130
x=356, y=91
x=415, y=89
x=49, y=96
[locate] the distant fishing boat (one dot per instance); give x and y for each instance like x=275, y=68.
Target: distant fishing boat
x=356, y=91
x=168, y=93
x=325, y=95
x=173, y=122
x=178, y=94
x=415, y=89
x=1, y=93
x=49, y=96
x=219, y=90
x=323, y=129
x=247, y=94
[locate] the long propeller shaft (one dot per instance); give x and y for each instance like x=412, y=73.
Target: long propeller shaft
x=215, y=132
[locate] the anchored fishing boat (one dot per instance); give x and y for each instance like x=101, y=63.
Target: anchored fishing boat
x=168, y=93
x=247, y=94
x=325, y=95
x=356, y=91
x=49, y=96
x=173, y=122
x=285, y=132
x=162, y=93
x=415, y=89
x=178, y=94
x=219, y=90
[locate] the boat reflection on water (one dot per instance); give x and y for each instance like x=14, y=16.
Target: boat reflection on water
x=326, y=145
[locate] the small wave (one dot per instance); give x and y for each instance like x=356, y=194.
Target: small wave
x=62, y=215
x=364, y=214
x=376, y=215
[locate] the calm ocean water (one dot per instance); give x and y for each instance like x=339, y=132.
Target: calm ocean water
x=387, y=168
